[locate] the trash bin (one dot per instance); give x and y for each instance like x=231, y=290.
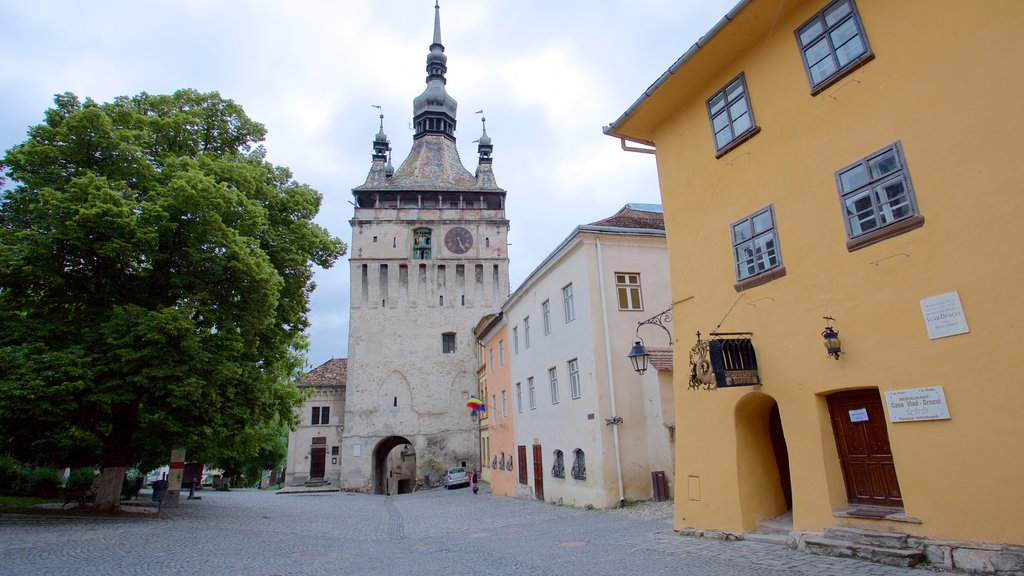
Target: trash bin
x=159, y=490
x=660, y=486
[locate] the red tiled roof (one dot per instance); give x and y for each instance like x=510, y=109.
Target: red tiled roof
x=630, y=217
x=334, y=372
x=661, y=359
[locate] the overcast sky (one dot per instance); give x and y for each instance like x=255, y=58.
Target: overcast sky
x=547, y=74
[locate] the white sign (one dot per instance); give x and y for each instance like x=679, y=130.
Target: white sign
x=357, y=449
x=944, y=316
x=859, y=415
x=917, y=404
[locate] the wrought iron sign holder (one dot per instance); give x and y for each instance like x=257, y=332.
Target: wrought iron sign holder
x=725, y=361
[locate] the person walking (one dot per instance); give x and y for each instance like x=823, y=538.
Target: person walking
x=473, y=482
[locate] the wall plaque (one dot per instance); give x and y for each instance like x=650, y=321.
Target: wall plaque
x=917, y=404
x=859, y=415
x=944, y=316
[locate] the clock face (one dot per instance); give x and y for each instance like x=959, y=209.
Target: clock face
x=458, y=240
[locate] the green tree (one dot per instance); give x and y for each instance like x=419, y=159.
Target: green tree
x=155, y=273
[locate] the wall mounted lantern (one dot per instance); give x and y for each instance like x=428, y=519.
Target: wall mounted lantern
x=638, y=355
x=831, y=337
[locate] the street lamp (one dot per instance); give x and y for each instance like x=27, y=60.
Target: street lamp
x=831, y=337
x=639, y=356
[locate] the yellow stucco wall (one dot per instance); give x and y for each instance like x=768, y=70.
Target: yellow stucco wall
x=945, y=82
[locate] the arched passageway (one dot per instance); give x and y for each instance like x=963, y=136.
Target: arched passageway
x=394, y=466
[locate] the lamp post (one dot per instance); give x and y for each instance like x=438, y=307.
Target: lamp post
x=638, y=355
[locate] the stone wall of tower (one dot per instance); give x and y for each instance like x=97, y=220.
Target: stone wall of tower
x=401, y=381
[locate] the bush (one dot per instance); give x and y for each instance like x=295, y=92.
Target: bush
x=10, y=474
x=43, y=482
x=81, y=479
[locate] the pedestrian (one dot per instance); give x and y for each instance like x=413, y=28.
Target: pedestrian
x=473, y=482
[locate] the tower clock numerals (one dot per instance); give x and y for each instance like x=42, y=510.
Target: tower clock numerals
x=458, y=240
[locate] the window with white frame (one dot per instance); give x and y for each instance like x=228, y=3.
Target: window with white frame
x=553, y=377
x=504, y=404
x=494, y=404
x=519, y=397
x=532, y=393
x=627, y=286
x=569, y=304
x=501, y=352
x=755, y=244
x=515, y=339
x=526, y=331
x=832, y=44
x=490, y=359
x=876, y=195
x=732, y=120
x=574, y=379
x=545, y=308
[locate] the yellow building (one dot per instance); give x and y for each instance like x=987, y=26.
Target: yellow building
x=850, y=160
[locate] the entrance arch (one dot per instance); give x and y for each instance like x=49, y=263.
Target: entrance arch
x=762, y=459
x=394, y=466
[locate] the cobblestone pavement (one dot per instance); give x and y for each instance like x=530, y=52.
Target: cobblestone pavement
x=436, y=532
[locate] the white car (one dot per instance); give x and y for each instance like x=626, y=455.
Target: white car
x=456, y=477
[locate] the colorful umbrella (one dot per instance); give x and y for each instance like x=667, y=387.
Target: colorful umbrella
x=475, y=404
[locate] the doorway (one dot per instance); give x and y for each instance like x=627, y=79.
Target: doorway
x=394, y=466
x=862, y=441
x=317, y=462
x=538, y=472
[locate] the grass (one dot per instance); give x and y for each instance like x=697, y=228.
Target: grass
x=22, y=504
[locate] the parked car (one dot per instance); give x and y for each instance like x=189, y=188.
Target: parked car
x=456, y=477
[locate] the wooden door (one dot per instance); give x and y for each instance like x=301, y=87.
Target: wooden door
x=522, y=464
x=317, y=461
x=862, y=440
x=538, y=473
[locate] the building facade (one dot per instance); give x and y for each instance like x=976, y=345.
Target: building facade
x=585, y=432
x=428, y=258
x=845, y=167
x=498, y=442
x=314, y=447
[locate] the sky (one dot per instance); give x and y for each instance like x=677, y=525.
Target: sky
x=548, y=75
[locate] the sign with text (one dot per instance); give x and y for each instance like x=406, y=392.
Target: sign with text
x=944, y=316
x=917, y=404
x=859, y=415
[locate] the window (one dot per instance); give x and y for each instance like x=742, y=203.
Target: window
x=494, y=404
x=627, y=285
x=532, y=392
x=574, y=379
x=501, y=352
x=876, y=194
x=579, y=465
x=519, y=397
x=732, y=121
x=558, y=468
x=504, y=404
x=832, y=44
x=570, y=305
x=321, y=415
x=448, y=342
x=546, y=312
x=490, y=359
x=526, y=331
x=515, y=340
x=421, y=244
x=553, y=377
x=755, y=244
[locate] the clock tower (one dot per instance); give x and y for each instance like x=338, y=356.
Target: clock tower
x=429, y=258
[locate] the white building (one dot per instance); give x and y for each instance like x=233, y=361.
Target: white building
x=589, y=430
x=314, y=447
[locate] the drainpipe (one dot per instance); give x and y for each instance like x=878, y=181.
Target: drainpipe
x=608, y=366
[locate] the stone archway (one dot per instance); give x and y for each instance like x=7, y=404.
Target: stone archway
x=394, y=466
x=762, y=458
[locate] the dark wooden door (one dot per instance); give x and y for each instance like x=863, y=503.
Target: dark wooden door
x=317, y=460
x=538, y=473
x=522, y=464
x=862, y=440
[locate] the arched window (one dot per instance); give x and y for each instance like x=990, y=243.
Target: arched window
x=579, y=465
x=421, y=244
x=501, y=462
x=494, y=461
x=558, y=468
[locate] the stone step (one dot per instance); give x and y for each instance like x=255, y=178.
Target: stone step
x=768, y=537
x=847, y=549
x=867, y=537
x=775, y=526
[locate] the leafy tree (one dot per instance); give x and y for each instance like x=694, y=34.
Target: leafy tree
x=155, y=273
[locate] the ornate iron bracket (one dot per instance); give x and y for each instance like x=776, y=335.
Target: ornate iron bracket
x=659, y=320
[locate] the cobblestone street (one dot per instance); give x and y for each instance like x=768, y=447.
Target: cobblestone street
x=433, y=532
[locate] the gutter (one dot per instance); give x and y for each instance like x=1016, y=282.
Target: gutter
x=611, y=373
x=701, y=42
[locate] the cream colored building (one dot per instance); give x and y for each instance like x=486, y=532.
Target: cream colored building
x=428, y=258
x=848, y=166
x=314, y=447
x=586, y=430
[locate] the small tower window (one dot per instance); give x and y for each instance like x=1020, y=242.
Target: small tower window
x=421, y=244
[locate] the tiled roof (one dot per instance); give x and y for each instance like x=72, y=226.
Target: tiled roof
x=334, y=372
x=661, y=359
x=645, y=216
x=432, y=164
